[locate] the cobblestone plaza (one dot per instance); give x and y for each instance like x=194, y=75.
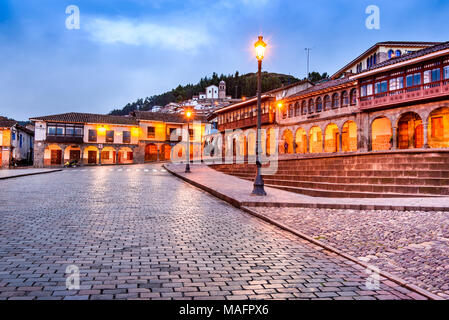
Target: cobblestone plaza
x=136, y=232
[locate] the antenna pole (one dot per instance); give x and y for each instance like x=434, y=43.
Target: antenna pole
x=308, y=61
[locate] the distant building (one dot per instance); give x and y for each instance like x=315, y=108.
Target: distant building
x=381, y=52
x=16, y=144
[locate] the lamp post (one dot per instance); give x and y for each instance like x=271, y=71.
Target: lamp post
x=258, y=182
x=188, y=115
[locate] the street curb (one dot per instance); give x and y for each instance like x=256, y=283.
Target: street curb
x=29, y=174
x=401, y=282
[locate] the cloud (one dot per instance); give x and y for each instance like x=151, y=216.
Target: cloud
x=129, y=32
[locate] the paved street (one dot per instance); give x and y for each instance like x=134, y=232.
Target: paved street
x=138, y=232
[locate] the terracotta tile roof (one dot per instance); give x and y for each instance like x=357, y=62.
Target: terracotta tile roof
x=321, y=86
x=7, y=123
x=409, y=56
x=164, y=117
x=74, y=117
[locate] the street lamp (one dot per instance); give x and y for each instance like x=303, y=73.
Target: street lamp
x=188, y=115
x=258, y=182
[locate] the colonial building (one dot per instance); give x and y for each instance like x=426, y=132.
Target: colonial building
x=16, y=144
x=382, y=132
x=95, y=139
x=381, y=52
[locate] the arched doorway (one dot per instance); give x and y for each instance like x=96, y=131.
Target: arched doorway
x=72, y=153
x=150, y=152
x=381, y=134
x=331, y=138
x=316, y=140
x=108, y=155
x=251, y=143
x=271, y=142
x=53, y=155
x=125, y=155
x=410, y=131
x=165, y=152
x=91, y=155
x=438, y=128
x=301, y=141
x=349, y=137
x=287, y=144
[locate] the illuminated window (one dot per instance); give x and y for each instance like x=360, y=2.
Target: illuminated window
x=151, y=132
x=396, y=83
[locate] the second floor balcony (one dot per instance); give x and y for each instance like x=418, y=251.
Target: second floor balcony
x=267, y=118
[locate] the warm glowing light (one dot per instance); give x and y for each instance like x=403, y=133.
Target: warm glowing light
x=188, y=114
x=135, y=132
x=260, y=48
x=280, y=105
x=101, y=130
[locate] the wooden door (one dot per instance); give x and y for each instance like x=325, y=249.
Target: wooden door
x=403, y=135
x=419, y=136
x=56, y=157
x=75, y=155
x=92, y=157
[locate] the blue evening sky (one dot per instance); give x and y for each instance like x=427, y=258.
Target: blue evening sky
x=126, y=50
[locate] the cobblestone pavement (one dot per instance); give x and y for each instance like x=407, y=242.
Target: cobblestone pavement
x=411, y=245
x=137, y=232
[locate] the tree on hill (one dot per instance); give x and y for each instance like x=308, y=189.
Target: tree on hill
x=237, y=86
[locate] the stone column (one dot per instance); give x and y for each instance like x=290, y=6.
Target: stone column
x=340, y=142
x=99, y=156
x=394, y=145
x=82, y=156
x=425, y=135
x=117, y=150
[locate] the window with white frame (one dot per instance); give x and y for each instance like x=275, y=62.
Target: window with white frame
x=366, y=90
x=396, y=83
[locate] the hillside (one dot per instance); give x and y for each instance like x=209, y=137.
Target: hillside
x=236, y=86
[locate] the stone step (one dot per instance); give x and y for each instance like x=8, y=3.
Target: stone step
x=396, y=180
x=442, y=174
x=374, y=188
x=341, y=194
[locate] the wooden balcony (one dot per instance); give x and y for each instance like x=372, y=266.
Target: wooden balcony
x=411, y=94
x=65, y=139
x=267, y=118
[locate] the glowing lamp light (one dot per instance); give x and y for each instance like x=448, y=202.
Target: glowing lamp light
x=280, y=105
x=260, y=48
x=135, y=132
x=101, y=130
x=188, y=114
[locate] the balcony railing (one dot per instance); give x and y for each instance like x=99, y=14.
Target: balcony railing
x=64, y=139
x=409, y=94
x=267, y=118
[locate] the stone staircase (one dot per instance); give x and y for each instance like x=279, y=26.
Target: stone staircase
x=383, y=175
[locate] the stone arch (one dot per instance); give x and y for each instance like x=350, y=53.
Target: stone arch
x=73, y=153
x=53, y=155
x=125, y=155
x=410, y=132
x=165, y=154
x=349, y=136
x=91, y=155
x=331, y=138
x=438, y=128
x=381, y=134
x=287, y=142
x=108, y=155
x=315, y=140
x=151, y=151
x=301, y=141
